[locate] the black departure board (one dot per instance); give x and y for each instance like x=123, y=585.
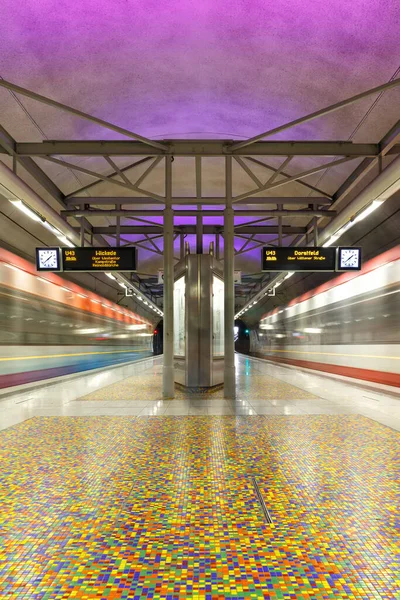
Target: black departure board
x=99, y=259
x=298, y=259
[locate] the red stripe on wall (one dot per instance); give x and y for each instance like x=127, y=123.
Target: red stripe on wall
x=382, y=377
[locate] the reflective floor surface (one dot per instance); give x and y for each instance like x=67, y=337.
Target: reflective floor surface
x=262, y=388
x=108, y=491
x=164, y=507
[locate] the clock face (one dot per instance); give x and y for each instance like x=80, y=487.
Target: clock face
x=47, y=259
x=349, y=259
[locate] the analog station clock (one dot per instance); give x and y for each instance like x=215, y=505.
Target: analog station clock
x=349, y=259
x=48, y=259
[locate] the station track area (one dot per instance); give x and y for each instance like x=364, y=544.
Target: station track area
x=111, y=507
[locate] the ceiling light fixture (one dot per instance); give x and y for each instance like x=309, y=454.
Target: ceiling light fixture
x=65, y=241
x=26, y=210
x=359, y=217
x=367, y=211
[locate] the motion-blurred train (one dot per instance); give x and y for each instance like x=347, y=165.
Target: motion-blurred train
x=50, y=327
x=349, y=326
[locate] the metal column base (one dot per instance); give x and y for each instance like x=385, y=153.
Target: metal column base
x=229, y=383
x=168, y=382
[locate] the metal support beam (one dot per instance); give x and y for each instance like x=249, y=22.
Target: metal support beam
x=7, y=143
x=315, y=231
x=191, y=229
x=118, y=231
x=229, y=287
x=152, y=242
x=82, y=237
x=246, y=243
x=254, y=201
x=304, y=184
x=110, y=176
x=280, y=225
x=147, y=172
x=217, y=249
x=249, y=172
x=270, y=186
x=199, y=216
x=387, y=143
x=136, y=214
x=199, y=233
x=116, y=168
x=205, y=148
x=319, y=113
x=78, y=113
x=263, y=220
x=278, y=171
x=131, y=186
x=168, y=329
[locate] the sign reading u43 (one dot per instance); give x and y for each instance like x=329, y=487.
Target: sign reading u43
x=99, y=259
x=86, y=259
x=311, y=259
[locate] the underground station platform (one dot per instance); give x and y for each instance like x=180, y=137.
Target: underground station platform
x=199, y=300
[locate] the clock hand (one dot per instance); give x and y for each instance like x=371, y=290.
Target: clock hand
x=48, y=258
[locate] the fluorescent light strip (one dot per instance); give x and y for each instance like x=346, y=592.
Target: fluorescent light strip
x=359, y=217
x=65, y=241
x=26, y=210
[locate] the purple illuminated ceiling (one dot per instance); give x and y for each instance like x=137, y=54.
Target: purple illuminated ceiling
x=211, y=68
x=216, y=68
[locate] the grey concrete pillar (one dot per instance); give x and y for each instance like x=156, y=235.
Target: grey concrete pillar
x=229, y=305
x=168, y=369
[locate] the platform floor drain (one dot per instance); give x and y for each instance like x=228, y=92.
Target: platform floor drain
x=260, y=499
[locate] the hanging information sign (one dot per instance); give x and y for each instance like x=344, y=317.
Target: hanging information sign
x=299, y=259
x=99, y=259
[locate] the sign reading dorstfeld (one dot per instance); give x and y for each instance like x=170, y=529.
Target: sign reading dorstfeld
x=298, y=259
x=99, y=259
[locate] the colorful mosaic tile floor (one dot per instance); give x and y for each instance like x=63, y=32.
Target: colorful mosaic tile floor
x=164, y=507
